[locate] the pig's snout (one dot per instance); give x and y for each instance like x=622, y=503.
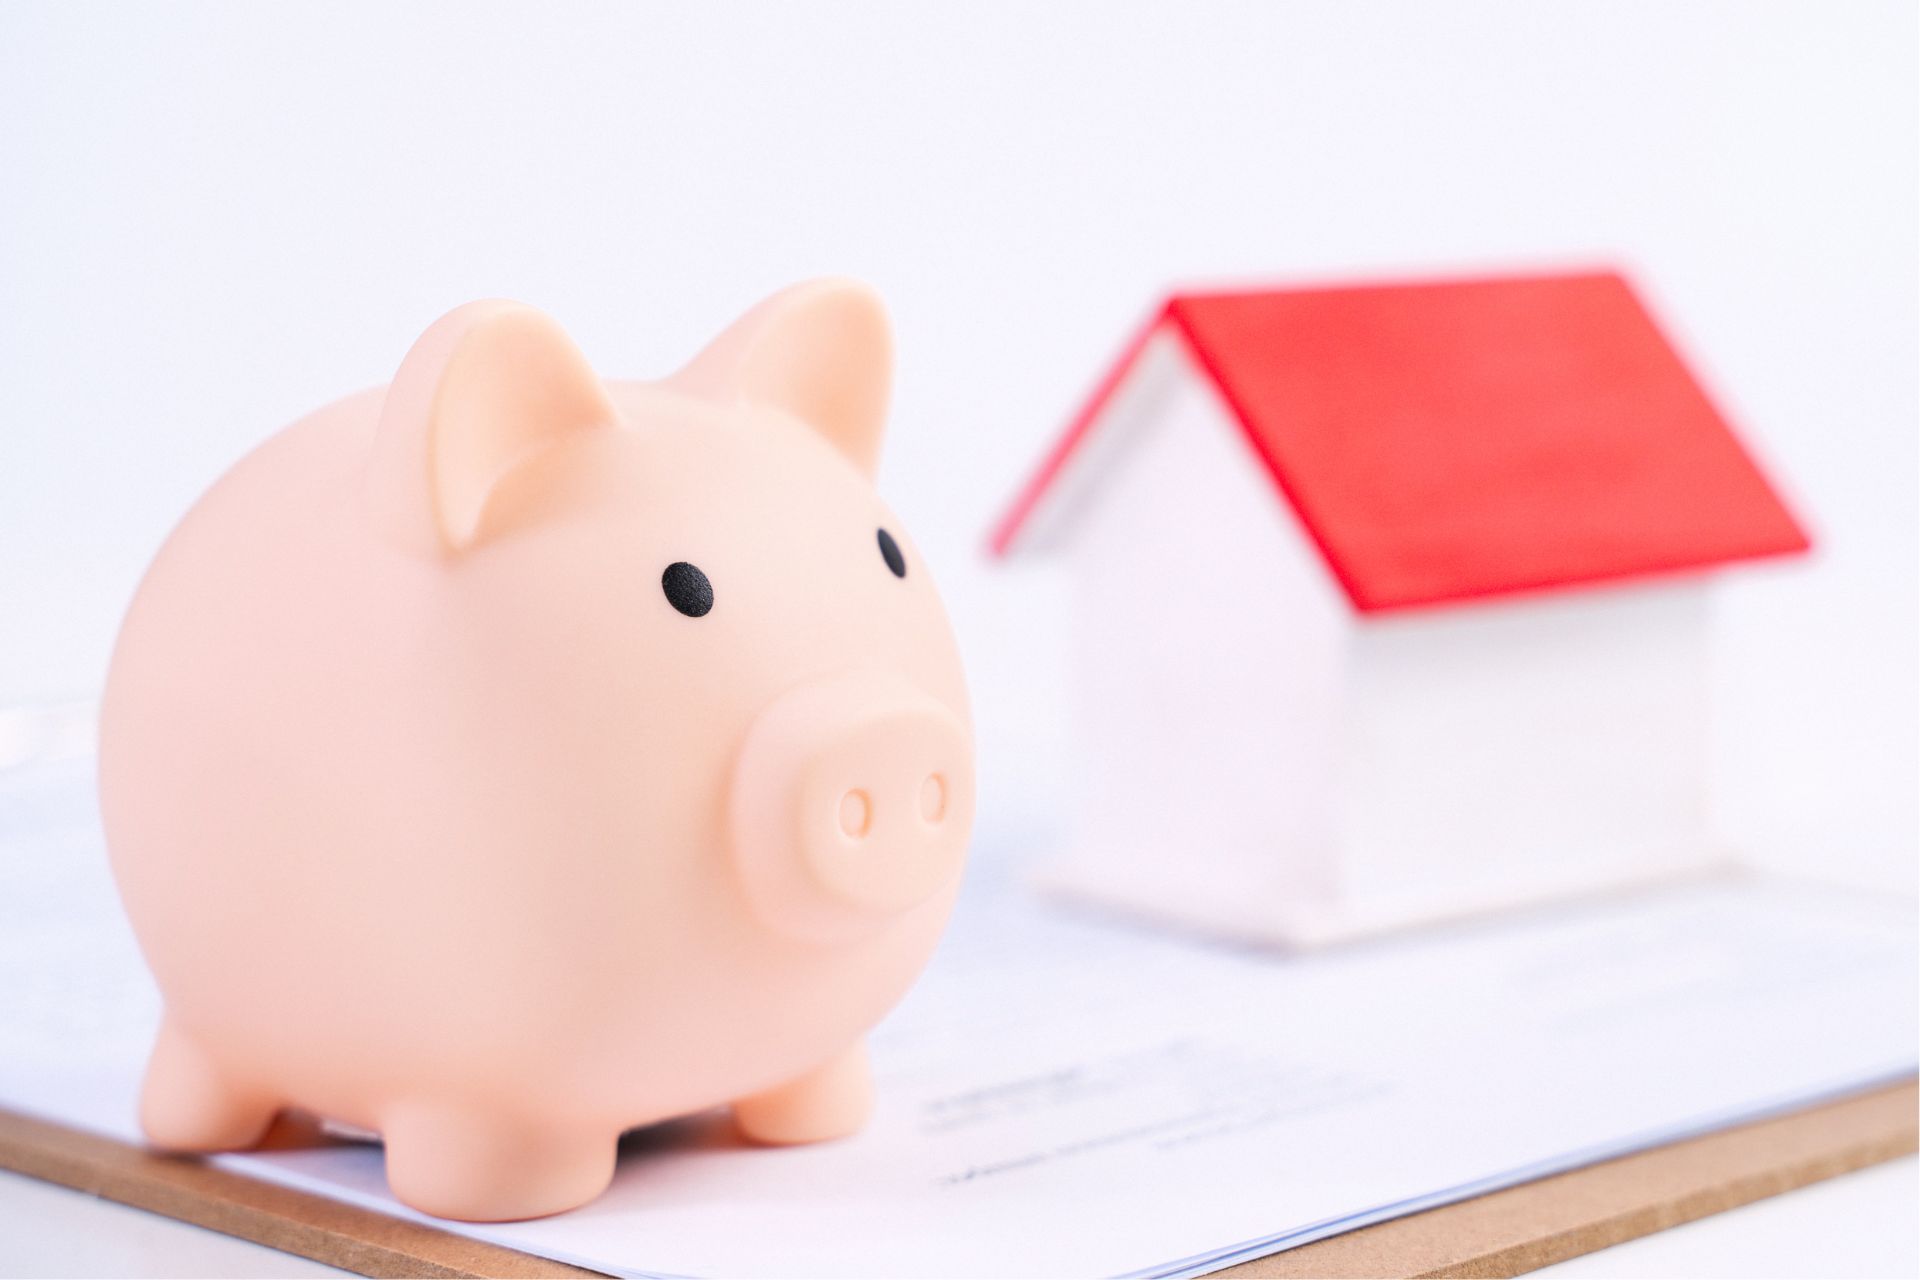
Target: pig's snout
x=852, y=803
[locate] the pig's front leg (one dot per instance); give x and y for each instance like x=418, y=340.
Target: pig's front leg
x=831, y=1101
x=189, y=1103
x=480, y=1164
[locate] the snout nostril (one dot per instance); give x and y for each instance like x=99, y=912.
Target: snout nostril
x=856, y=813
x=933, y=798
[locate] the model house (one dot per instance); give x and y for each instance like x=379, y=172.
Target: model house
x=1392, y=602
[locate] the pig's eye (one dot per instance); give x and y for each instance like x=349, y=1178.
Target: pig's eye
x=687, y=589
x=890, y=552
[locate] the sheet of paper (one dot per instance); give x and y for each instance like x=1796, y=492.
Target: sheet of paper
x=1066, y=1095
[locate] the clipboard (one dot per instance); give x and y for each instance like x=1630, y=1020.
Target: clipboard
x=1500, y=1234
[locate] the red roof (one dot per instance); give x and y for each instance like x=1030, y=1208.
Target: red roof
x=1455, y=439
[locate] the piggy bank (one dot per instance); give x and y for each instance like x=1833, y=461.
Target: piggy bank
x=505, y=758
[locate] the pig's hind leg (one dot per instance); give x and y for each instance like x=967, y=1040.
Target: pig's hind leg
x=188, y=1103
x=483, y=1164
x=831, y=1101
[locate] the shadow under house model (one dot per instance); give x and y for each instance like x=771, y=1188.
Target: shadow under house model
x=1390, y=603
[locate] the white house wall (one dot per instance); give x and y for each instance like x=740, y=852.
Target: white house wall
x=1523, y=748
x=1208, y=654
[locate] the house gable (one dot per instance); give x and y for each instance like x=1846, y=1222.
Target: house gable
x=1207, y=659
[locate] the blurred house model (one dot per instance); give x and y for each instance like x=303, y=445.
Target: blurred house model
x=1392, y=602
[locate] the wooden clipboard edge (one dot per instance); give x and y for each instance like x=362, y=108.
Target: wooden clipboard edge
x=1503, y=1233
x=1549, y=1220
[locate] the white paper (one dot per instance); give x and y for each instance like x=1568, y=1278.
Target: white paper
x=1064, y=1095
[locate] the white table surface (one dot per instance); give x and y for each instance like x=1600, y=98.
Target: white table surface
x=1865, y=1224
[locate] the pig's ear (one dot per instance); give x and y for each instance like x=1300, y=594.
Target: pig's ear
x=490, y=385
x=821, y=351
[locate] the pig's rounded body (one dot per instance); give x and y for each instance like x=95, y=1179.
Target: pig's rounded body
x=458, y=847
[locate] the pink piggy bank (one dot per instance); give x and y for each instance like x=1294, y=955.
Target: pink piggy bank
x=507, y=758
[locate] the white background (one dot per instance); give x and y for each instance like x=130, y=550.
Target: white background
x=213, y=219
